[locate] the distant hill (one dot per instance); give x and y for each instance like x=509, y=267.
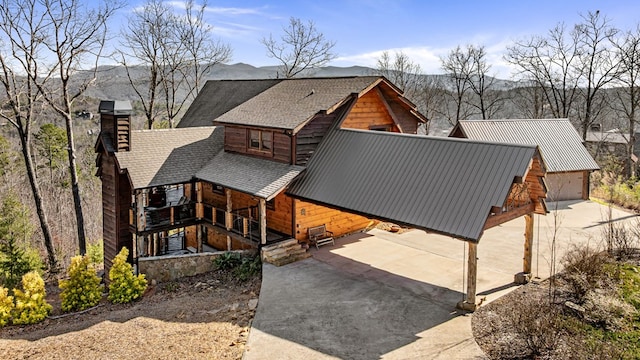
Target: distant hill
x=112, y=81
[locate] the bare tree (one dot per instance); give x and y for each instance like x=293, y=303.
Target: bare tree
x=627, y=50
x=21, y=26
x=174, y=50
x=549, y=63
x=487, y=100
x=75, y=36
x=301, y=47
x=458, y=65
x=402, y=72
x=595, y=65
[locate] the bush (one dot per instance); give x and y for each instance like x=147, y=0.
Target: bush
x=95, y=252
x=608, y=311
x=30, y=304
x=227, y=261
x=6, y=305
x=537, y=325
x=243, y=267
x=584, y=271
x=124, y=287
x=249, y=267
x=82, y=290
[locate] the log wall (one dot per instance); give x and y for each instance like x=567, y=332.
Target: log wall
x=369, y=111
x=339, y=222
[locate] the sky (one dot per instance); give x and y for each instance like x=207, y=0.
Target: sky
x=424, y=30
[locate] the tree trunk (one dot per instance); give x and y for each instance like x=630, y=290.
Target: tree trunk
x=37, y=198
x=75, y=186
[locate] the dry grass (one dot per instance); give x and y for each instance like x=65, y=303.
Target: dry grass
x=202, y=317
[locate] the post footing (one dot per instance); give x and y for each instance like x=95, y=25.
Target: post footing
x=522, y=278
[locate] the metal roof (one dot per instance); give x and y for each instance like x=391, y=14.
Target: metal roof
x=169, y=156
x=219, y=96
x=259, y=177
x=559, y=142
x=607, y=137
x=292, y=102
x=437, y=184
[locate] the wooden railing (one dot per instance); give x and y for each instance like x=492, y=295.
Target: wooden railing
x=166, y=216
x=242, y=222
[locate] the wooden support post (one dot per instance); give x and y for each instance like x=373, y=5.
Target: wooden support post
x=140, y=204
x=469, y=303
x=199, y=238
x=245, y=227
x=199, y=204
x=525, y=276
x=263, y=221
x=228, y=217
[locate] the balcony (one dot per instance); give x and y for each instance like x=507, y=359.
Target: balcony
x=165, y=217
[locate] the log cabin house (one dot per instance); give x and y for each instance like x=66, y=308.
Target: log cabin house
x=255, y=162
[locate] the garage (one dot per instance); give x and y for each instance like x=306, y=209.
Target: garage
x=568, y=161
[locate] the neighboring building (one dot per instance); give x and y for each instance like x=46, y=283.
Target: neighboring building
x=568, y=161
x=605, y=145
x=254, y=162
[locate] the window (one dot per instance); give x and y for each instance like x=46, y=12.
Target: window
x=260, y=140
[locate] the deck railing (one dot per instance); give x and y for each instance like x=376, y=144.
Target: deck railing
x=166, y=216
x=242, y=222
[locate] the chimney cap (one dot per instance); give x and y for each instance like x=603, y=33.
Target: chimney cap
x=115, y=107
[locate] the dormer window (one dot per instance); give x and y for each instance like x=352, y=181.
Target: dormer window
x=260, y=140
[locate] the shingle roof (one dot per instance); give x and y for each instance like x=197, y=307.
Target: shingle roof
x=437, y=184
x=163, y=157
x=559, y=142
x=289, y=104
x=219, y=96
x=255, y=176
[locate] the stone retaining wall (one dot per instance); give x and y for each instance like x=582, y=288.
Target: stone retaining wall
x=170, y=267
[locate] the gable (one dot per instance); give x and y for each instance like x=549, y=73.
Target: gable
x=449, y=186
x=559, y=142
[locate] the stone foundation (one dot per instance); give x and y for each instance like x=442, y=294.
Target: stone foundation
x=166, y=268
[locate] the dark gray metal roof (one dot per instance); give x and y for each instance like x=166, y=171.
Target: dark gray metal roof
x=170, y=156
x=291, y=103
x=559, y=142
x=437, y=184
x=219, y=96
x=259, y=177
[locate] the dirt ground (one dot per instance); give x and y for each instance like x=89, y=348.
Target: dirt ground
x=201, y=317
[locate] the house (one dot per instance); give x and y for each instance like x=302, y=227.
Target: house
x=605, y=146
x=257, y=162
x=568, y=161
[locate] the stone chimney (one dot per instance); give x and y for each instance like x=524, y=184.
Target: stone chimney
x=115, y=122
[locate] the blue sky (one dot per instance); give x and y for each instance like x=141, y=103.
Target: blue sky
x=424, y=30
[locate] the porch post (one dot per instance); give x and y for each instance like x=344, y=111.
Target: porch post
x=263, y=221
x=469, y=303
x=228, y=217
x=140, y=204
x=199, y=237
x=525, y=275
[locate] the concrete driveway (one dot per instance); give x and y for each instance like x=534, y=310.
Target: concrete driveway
x=392, y=296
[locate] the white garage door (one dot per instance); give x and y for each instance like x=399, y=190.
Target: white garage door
x=564, y=186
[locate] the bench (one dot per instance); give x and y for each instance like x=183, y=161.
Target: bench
x=318, y=235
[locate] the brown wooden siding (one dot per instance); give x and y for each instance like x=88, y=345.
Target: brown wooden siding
x=339, y=222
x=125, y=238
x=218, y=240
x=369, y=111
x=536, y=189
x=310, y=136
x=109, y=217
x=282, y=147
x=280, y=218
x=407, y=121
x=235, y=139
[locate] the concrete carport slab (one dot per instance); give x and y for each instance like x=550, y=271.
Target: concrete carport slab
x=392, y=296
